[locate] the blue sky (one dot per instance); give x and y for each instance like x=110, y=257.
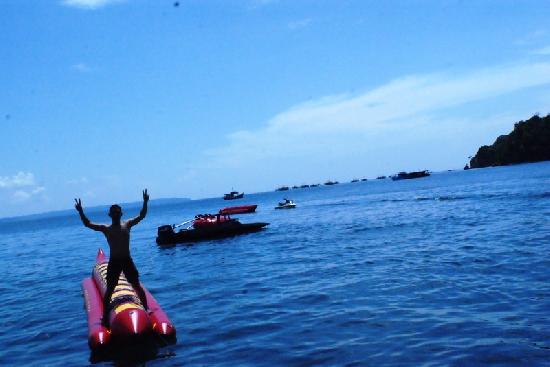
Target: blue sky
x=102, y=98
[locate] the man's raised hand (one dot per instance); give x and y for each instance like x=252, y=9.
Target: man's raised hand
x=145, y=195
x=78, y=205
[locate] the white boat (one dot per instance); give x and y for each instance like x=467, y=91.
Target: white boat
x=287, y=204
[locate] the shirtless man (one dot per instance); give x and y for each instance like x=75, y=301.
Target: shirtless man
x=118, y=237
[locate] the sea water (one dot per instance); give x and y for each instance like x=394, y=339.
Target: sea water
x=452, y=269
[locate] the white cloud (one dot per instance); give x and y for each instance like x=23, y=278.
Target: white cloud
x=302, y=23
x=90, y=4
x=20, y=179
x=263, y=2
x=308, y=127
x=82, y=67
x=20, y=187
x=542, y=51
x=89, y=194
x=76, y=181
x=24, y=195
x=21, y=195
x=415, y=122
x=38, y=190
x=256, y=4
x=532, y=37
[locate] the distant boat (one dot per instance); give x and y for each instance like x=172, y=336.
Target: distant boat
x=410, y=175
x=363, y=179
x=329, y=182
x=355, y=180
x=295, y=187
x=282, y=188
x=233, y=195
x=314, y=185
x=239, y=209
x=304, y=186
x=381, y=177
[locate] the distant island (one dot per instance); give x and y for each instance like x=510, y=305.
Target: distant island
x=528, y=142
x=135, y=205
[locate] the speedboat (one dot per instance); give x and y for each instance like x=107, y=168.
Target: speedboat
x=239, y=209
x=206, y=227
x=233, y=195
x=287, y=204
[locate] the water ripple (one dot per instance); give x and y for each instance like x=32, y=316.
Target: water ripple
x=448, y=270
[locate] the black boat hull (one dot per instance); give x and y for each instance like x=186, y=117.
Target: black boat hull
x=233, y=197
x=167, y=237
x=410, y=175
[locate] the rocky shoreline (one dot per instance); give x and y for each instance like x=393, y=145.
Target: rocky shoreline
x=528, y=142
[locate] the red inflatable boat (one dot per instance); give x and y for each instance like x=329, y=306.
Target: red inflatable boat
x=239, y=209
x=128, y=319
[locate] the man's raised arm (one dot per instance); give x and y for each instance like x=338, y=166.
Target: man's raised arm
x=85, y=220
x=142, y=213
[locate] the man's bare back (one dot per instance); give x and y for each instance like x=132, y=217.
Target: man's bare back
x=118, y=238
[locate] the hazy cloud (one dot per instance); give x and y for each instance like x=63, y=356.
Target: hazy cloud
x=542, y=51
x=302, y=23
x=253, y=4
x=20, y=179
x=532, y=37
x=23, y=195
x=77, y=181
x=81, y=67
x=90, y=4
x=264, y=2
x=343, y=123
x=19, y=187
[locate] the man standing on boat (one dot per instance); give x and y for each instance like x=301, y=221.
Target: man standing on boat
x=118, y=238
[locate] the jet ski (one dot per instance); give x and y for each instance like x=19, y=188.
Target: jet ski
x=286, y=204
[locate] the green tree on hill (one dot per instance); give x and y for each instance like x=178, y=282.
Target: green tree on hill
x=528, y=142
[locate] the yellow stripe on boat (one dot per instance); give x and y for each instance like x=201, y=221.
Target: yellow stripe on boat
x=123, y=293
x=126, y=306
x=122, y=289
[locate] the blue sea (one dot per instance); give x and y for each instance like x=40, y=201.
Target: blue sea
x=448, y=270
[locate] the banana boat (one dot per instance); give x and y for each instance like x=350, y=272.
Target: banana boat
x=128, y=319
